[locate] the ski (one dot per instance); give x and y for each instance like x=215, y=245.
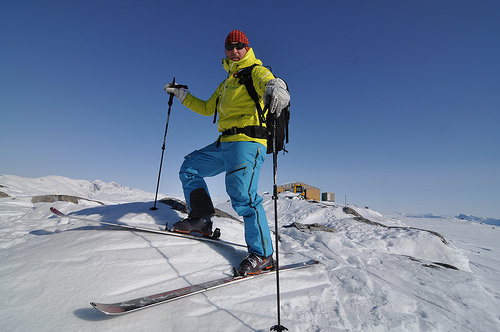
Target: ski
x=128, y=306
x=150, y=230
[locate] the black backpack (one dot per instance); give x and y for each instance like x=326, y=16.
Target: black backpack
x=281, y=130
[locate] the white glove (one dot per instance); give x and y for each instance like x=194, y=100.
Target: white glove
x=179, y=92
x=276, y=95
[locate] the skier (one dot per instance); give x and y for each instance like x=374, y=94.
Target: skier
x=239, y=151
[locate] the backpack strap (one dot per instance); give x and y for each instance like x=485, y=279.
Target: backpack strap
x=245, y=78
x=215, y=113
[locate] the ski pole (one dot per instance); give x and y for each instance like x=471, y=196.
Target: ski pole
x=277, y=327
x=170, y=101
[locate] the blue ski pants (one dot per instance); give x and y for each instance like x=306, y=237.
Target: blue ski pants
x=241, y=161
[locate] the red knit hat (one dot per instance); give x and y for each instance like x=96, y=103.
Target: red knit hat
x=236, y=36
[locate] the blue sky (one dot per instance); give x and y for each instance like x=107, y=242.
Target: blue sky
x=395, y=104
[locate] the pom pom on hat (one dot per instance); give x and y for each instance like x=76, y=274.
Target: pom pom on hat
x=236, y=36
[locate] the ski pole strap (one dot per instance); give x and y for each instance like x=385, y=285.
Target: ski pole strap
x=250, y=131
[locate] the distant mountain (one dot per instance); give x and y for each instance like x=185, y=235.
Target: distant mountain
x=489, y=221
x=482, y=220
x=422, y=215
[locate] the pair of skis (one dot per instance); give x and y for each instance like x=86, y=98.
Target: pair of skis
x=132, y=305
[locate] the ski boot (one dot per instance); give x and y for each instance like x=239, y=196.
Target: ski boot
x=254, y=264
x=201, y=225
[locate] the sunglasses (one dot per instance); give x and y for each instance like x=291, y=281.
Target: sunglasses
x=238, y=46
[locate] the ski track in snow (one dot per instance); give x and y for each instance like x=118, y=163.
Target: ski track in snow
x=370, y=277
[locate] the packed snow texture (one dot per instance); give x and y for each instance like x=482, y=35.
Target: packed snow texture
x=376, y=273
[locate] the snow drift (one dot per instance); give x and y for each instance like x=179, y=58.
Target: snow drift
x=376, y=272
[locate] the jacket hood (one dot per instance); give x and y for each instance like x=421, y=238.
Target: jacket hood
x=233, y=66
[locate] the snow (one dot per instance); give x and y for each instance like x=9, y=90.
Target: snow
x=388, y=274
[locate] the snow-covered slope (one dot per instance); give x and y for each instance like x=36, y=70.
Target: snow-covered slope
x=376, y=272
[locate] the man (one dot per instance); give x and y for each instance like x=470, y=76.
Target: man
x=239, y=151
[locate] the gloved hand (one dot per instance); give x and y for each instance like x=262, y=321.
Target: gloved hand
x=276, y=95
x=177, y=90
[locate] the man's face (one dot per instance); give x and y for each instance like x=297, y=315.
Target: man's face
x=236, y=54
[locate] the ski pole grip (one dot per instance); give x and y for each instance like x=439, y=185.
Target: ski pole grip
x=180, y=86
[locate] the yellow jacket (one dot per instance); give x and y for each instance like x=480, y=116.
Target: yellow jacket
x=235, y=106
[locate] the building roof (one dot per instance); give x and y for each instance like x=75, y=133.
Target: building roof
x=291, y=184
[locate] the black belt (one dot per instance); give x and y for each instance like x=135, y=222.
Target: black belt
x=251, y=131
